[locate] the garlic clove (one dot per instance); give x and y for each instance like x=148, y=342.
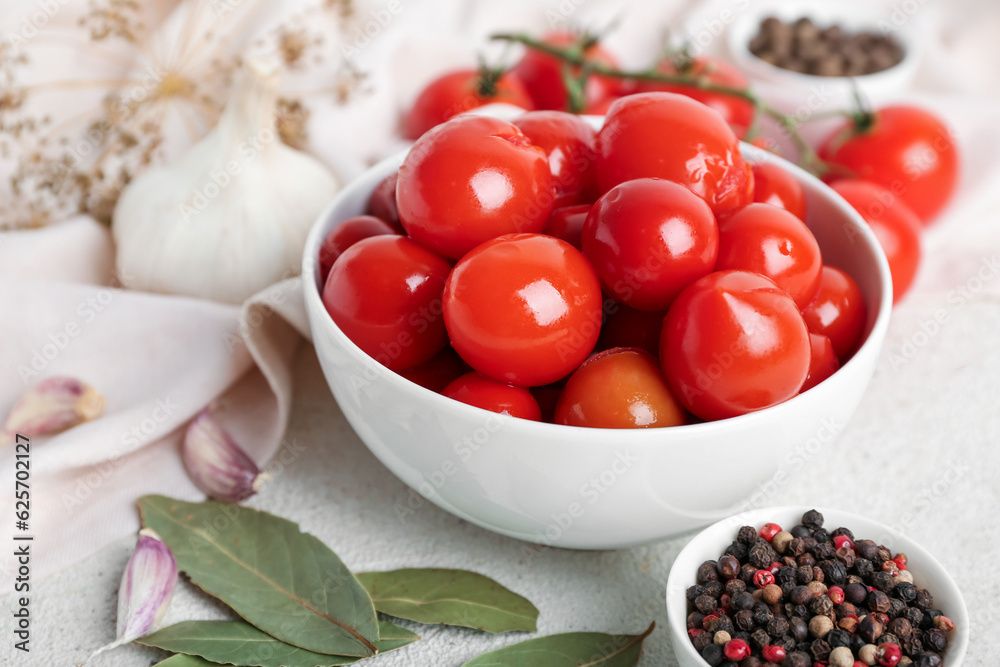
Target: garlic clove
x=146, y=590
x=216, y=464
x=54, y=404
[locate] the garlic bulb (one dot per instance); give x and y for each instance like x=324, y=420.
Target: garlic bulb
x=231, y=216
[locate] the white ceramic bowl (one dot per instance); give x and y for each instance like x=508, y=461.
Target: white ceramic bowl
x=793, y=90
x=710, y=543
x=591, y=488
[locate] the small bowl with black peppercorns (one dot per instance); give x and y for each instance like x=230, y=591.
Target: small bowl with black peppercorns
x=825, y=49
x=796, y=586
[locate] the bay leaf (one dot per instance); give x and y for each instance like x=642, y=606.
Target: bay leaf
x=239, y=643
x=286, y=582
x=449, y=597
x=572, y=649
x=181, y=660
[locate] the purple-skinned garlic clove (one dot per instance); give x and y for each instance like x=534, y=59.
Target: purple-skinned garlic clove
x=216, y=464
x=54, y=404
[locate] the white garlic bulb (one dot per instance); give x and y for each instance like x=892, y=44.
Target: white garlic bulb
x=231, y=216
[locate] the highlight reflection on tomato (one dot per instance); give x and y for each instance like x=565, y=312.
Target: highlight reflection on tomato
x=568, y=142
x=523, y=308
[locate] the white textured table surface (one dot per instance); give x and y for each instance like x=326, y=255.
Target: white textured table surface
x=934, y=412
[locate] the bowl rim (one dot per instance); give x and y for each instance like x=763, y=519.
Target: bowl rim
x=635, y=437
x=933, y=570
x=738, y=43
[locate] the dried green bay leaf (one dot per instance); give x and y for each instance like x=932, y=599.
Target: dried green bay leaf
x=572, y=649
x=286, y=582
x=239, y=643
x=450, y=597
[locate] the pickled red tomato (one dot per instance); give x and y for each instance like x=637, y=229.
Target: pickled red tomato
x=494, y=395
x=568, y=142
x=838, y=311
x=733, y=343
x=523, y=308
x=385, y=295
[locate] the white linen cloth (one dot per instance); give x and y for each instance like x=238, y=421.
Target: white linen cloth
x=159, y=359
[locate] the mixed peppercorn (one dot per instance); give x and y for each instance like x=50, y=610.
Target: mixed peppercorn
x=809, y=597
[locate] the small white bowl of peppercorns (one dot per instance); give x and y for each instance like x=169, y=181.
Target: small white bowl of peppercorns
x=796, y=587
x=824, y=51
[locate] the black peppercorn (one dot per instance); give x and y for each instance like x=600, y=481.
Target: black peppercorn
x=801, y=595
x=821, y=535
x=856, y=643
x=864, y=568
x=747, y=535
x=936, y=640
x=707, y=571
x=927, y=660
x=786, y=575
x=714, y=588
x=887, y=638
x=820, y=650
x=877, y=601
x=744, y=620
x=914, y=616
x=762, y=554
x=752, y=661
x=927, y=621
x=759, y=639
x=743, y=601
x=745, y=636
x=728, y=567
x=866, y=549
x=838, y=637
x=800, y=531
x=824, y=551
x=799, y=628
x=711, y=623
x=797, y=659
x=869, y=629
x=911, y=644
x=762, y=614
x=701, y=641
x=725, y=625
x=806, y=560
x=737, y=550
x=695, y=619
x=786, y=642
x=746, y=574
x=821, y=605
x=883, y=581
x=778, y=626
x=804, y=574
x=840, y=532
x=728, y=663
x=846, y=556
x=846, y=609
x=706, y=604
x=712, y=654
x=803, y=647
x=818, y=574
x=834, y=572
x=896, y=607
x=924, y=599
x=694, y=591
x=812, y=520
x=905, y=591
x=734, y=587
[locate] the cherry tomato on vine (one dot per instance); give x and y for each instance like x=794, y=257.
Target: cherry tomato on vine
x=648, y=239
x=822, y=361
x=670, y=136
x=771, y=241
x=905, y=149
x=385, y=294
x=345, y=235
x=494, y=395
x=459, y=91
x=777, y=187
x=438, y=371
x=542, y=74
x=619, y=388
x=568, y=142
x=733, y=343
x=566, y=223
x=894, y=224
x=628, y=327
x=838, y=312
x=736, y=111
x=523, y=308
x=382, y=203
x=470, y=180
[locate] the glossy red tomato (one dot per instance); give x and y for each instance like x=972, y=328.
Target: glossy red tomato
x=382, y=203
x=838, y=311
x=345, y=235
x=628, y=327
x=568, y=141
x=733, y=343
x=907, y=150
x=462, y=90
x=566, y=223
x=437, y=372
x=648, y=239
x=542, y=75
x=736, y=111
x=385, y=294
x=777, y=187
x=619, y=388
x=471, y=180
x=895, y=225
x=822, y=361
x=670, y=136
x=771, y=241
x=495, y=396
x=523, y=308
